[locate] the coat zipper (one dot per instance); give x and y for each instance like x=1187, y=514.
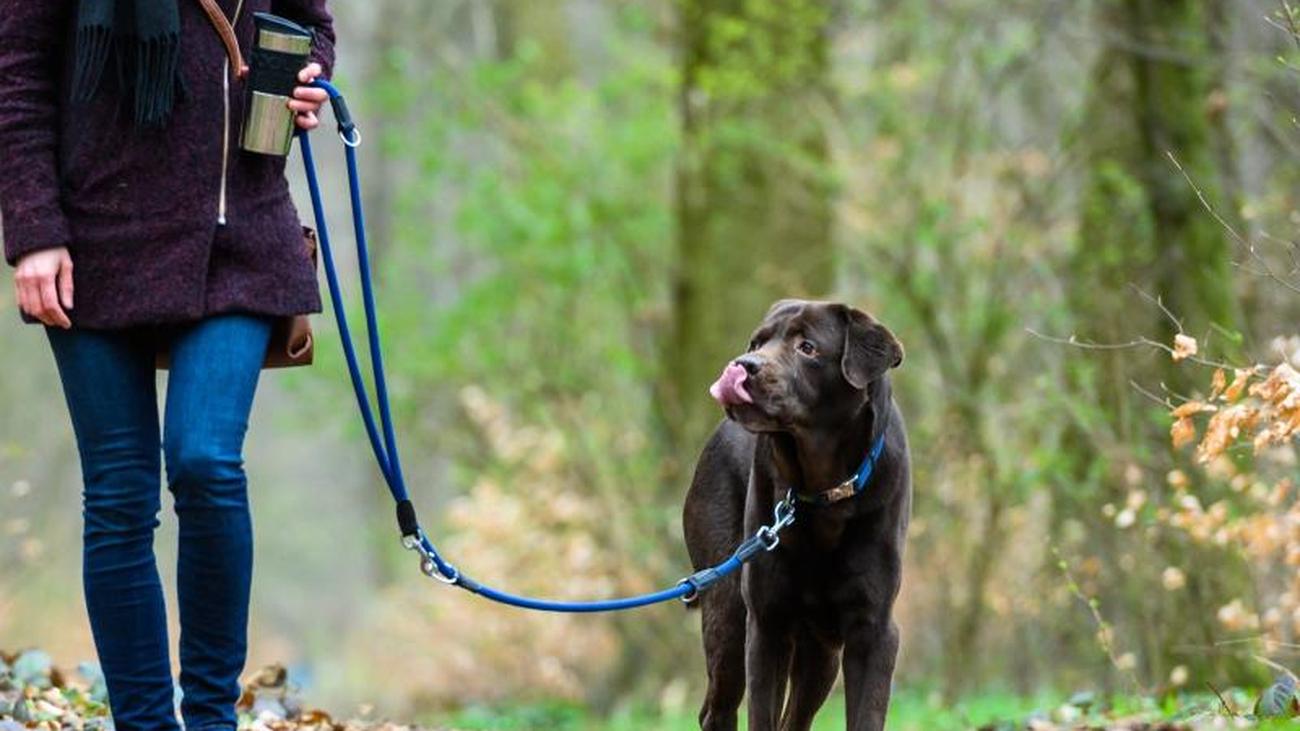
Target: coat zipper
x=225, y=138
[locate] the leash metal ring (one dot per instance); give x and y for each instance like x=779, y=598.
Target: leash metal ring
x=355, y=142
x=448, y=580
x=691, y=595
x=769, y=538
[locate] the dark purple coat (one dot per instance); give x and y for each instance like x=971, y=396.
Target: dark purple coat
x=164, y=226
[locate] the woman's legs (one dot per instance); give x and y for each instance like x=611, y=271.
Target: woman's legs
x=214, y=371
x=109, y=383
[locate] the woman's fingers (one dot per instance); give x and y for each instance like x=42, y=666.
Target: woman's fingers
x=307, y=100
x=65, y=282
x=51, y=312
x=20, y=296
x=43, y=279
x=29, y=294
x=310, y=72
x=311, y=94
x=32, y=302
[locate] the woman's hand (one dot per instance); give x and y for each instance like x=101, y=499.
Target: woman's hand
x=307, y=100
x=43, y=283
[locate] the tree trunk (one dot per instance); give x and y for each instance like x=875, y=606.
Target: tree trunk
x=753, y=201
x=1141, y=223
x=1174, y=117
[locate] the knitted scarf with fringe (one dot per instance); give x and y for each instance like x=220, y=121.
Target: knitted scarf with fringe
x=140, y=41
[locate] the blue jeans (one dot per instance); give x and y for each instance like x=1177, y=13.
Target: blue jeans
x=110, y=385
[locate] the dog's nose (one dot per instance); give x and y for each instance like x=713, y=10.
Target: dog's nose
x=750, y=362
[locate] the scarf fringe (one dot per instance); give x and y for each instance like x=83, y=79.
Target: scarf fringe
x=155, y=80
x=141, y=40
x=93, y=45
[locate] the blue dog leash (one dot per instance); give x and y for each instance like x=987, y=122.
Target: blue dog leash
x=383, y=438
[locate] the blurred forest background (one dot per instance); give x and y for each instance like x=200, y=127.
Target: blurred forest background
x=579, y=210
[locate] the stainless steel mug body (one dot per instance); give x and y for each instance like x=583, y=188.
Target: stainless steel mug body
x=280, y=50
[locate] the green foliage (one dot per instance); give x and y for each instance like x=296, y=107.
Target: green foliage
x=557, y=251
x=913, y=710
x=751, y=48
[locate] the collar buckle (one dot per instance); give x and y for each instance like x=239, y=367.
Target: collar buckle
x=855, y=485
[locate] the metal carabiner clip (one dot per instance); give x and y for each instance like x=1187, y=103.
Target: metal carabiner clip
x=783, y=514
x=437, y=575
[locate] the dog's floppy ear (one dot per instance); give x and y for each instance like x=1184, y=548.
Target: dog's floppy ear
x=870, y=348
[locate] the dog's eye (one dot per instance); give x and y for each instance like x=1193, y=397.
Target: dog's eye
x=753, y=345
x=807, y=348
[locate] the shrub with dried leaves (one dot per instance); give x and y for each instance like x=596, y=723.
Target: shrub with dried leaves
x=1242, y=435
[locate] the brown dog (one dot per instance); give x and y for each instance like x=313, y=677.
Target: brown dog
x=805, y=406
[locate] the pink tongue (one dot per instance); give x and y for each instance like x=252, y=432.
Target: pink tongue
x=729, y=389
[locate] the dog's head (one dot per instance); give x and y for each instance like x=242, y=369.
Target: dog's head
x=808, y=365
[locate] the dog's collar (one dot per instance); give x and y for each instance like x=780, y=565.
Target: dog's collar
x=851, y=487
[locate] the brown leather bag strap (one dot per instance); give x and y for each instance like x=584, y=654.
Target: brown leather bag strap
x=227, y=32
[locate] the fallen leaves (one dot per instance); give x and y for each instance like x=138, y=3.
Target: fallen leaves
x=1183, y=711
x=34, y=694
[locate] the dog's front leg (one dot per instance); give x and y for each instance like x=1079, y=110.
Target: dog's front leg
x=768, y=649
x=869, y=652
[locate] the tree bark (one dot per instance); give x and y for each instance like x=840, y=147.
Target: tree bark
x=753, y=198
x=1141, y=223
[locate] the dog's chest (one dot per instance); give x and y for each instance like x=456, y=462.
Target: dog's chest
x=817, y=553
x=820, y=601
x=820, y=532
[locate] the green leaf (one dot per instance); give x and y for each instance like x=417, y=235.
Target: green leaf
x=1279, y=699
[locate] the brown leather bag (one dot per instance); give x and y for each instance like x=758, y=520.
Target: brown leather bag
x=291, y=344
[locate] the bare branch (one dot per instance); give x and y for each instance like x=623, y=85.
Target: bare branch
x=1105, y=634
x=1248, y=246
x=1276, y=666
x=1291, y=28
x=1139, y=342
x=1165, y=402
x=1158, y=302
x=1226, y=708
